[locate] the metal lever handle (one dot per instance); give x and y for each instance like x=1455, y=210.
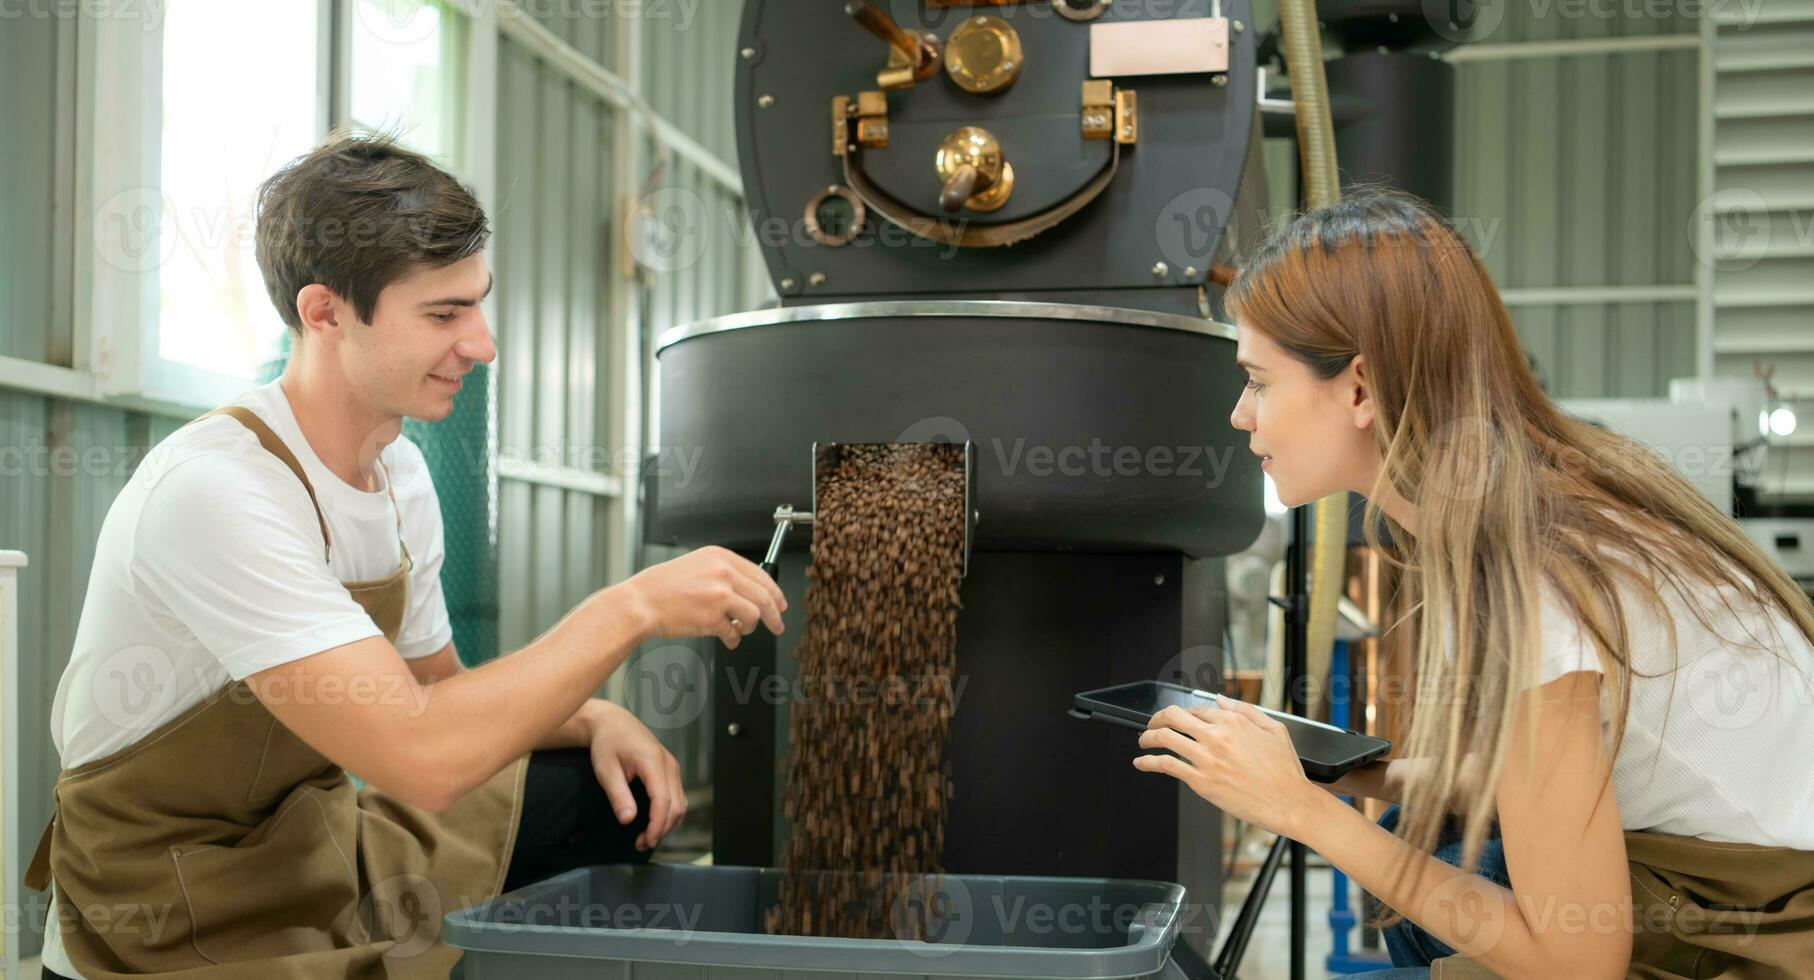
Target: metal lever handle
x=785, y=518
x=877, y=22
x=958, y=188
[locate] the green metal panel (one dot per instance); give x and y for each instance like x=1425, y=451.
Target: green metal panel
x=35, y=184
x=459, y=450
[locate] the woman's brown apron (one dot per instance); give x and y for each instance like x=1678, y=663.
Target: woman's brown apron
x=221, y=846
x=1704, y=909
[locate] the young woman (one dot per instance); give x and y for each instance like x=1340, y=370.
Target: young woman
x=1612, y=720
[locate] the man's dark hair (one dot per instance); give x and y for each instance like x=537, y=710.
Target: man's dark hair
x=356, y=214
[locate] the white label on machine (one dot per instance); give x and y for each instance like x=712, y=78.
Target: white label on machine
x=1159, y=47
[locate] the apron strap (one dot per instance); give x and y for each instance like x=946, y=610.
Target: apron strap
x=273, y=445
x=402, y=546
x=37, y=874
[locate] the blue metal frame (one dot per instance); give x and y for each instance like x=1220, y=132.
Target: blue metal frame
x=1341, y=917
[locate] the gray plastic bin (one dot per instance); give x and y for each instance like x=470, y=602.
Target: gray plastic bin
x=659, y=922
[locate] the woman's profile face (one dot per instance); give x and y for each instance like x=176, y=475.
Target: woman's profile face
x=1311, y=433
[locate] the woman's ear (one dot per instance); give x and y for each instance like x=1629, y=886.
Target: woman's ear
x=1360, y=392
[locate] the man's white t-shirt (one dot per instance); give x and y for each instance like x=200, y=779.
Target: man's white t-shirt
x=1717, y=740
x=210, y=568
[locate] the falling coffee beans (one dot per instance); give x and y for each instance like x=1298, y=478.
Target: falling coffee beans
x=869, y=780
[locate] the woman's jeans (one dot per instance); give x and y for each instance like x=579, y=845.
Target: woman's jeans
x=1413, y=949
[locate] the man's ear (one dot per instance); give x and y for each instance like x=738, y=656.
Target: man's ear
x=321, y=310
x=1360, y=393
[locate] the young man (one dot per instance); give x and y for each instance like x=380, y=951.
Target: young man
x=265, y=614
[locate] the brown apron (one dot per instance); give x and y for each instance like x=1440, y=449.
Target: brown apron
x=1704, y=909
x=222, y=846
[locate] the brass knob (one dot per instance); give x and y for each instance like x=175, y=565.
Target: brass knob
x=972, y=171
x=983, y=54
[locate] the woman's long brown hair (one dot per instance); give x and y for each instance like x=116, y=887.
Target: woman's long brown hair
x=1512, y=495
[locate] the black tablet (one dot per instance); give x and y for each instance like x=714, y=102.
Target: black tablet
x=1325, y=750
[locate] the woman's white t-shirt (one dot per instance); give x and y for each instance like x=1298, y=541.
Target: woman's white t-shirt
x=209, y=568
x=1717, y=743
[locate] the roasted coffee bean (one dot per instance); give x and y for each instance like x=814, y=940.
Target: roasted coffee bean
x=869, y=781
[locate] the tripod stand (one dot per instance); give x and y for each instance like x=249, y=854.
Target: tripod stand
x=1296, y=603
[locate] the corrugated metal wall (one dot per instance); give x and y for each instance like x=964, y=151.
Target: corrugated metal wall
x=61, y=462
x=558, y=264
x=71, y=460
x=557, y=261
x=1577, y=171
x=1580, y=171
x=553, y=257
x=1763, y=283
x=687, y=77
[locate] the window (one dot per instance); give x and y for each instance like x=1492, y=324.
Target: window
x=192, y=109
x=189, y=110
x=239, y=100
x=408, y=73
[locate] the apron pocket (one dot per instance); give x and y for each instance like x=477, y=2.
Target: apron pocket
x=289, y=887
x=1654, y=942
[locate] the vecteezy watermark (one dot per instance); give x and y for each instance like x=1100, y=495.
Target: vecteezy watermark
x=1099, y=459
x=936, y=429
x=672, y=228
x=668, y=686
x=127, y=230
x=405, y=909
x=932, y=915
x=1465, y=21
x=137, y=229
x=406, y=22
x=1734, y=228
x=623, y=462
x=863, y=690
x=137, y=688
x=1470, y=915
x=1192, y=223
x=568, y=912
x=36, y=459
x=1197, y=667
x=681, y=12
x=1734, y=694
x=124, y=923
x=141, y=686
x=1690, y=460
x=679, y=462
x=148, y=13
x=1201, y=668
x=1465, y=914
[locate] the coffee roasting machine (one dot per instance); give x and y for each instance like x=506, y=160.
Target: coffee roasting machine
x=1007, y=224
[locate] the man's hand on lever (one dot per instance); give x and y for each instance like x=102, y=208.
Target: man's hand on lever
x=360, y=705
x=709, y=592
